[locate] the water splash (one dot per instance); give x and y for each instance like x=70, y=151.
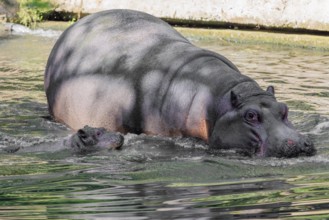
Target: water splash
x=320, y=128
x=18, y=29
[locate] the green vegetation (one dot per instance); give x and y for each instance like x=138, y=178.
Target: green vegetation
x=32, y=11
x=310, y=42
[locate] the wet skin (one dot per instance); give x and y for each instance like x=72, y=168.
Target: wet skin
x=85, y=140
x=90, y=139
x=128, y=71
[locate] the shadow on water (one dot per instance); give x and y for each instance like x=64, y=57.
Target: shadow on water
x=155, y=177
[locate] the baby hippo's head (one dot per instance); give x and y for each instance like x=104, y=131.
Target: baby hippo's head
x=89, y=139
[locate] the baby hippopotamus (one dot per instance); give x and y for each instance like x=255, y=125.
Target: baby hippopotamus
x=85, y=140
x=89, y=139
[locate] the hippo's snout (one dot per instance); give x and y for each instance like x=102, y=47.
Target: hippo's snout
x=292, y=148
x=112, y=140
x=308, y=147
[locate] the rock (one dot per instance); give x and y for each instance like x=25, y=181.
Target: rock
x=294, y=14
x=8, y=10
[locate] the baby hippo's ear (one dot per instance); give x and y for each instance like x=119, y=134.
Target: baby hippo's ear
x=270, y=90
x=82, y=134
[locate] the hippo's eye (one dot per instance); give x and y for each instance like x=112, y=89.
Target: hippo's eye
x=251, y=116
x=98, y=133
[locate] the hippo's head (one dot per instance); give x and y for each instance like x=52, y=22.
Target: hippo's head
x=89, y=139
x=258, y=125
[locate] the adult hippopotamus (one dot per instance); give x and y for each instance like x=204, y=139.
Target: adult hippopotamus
x=128, y=71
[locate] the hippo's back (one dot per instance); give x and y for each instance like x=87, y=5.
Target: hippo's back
x=98, y=42
x=127, y=71
x=96, y=67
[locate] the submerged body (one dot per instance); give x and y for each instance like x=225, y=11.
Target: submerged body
x=128, y=71
x=85, y=140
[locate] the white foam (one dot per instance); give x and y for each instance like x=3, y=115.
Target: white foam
x=283, y=162
x=320, y=128
x=23, y=30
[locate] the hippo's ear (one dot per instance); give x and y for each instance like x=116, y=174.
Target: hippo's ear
x=235, y=99
x=270, y=90
x=82, y=133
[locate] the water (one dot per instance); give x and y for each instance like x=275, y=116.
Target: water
x=154, y=177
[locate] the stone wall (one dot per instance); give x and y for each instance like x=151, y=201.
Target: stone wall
x=301, y=14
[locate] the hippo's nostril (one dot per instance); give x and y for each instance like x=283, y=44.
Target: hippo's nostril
x=118, y=142
x=309, y=148
x=307, y=143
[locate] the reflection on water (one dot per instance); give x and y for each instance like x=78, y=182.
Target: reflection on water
x=154, y=177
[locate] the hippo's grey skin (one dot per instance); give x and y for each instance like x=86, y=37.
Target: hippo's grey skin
x=128, y=71
x=91, y=139
x=85, y=140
